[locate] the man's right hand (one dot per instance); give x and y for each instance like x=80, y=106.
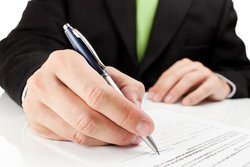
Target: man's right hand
x=68, y=100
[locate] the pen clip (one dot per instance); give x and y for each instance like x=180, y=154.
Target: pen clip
x=91, y=49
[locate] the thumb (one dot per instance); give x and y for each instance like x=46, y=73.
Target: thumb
x=132, y=89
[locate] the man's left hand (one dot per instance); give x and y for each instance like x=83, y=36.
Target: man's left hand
x=191, y=81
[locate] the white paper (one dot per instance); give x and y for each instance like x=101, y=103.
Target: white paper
x=186, y=142
x=183, y=142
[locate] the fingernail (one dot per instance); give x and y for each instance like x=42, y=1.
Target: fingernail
x=150, y=95
x=168, y=99
x=143, y=129
x=136, y=140
x=156, y=98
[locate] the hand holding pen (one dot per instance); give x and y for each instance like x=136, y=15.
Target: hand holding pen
x=82, y=46
x=68, y=100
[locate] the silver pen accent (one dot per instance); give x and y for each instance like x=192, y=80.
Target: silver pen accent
x=148, y=140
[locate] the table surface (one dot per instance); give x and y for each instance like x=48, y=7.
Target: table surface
x=17, y=149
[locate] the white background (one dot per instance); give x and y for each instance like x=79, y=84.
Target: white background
x=11, y=11
x=10, y=14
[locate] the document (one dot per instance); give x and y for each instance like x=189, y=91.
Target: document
x=183, y=141
x=189, y=142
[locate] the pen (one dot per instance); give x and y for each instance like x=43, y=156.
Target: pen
x=82, y=46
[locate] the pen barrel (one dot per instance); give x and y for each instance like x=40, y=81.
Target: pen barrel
x=148, y=140
x=111, y=82
x=82, y=49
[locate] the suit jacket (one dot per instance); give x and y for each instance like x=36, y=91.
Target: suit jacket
x=202, y=30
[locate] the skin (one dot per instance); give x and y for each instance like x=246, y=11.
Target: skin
x=188, y=81
x=68, y=100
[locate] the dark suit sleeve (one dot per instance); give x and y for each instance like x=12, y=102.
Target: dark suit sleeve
x=28, y=46
x=230, y=54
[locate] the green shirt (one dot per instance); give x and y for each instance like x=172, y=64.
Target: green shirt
x=145, y=14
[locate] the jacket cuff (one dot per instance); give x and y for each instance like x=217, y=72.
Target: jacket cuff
x=239, y=82
x=24, y=93
x=230, y=83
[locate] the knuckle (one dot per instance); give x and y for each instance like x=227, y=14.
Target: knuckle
x=125, y=118
x=58, y=59
x=86, y=124
x=185, y=60
x=198, y=64
x=96, y=96
x=69, y=51
x=175, y=75
x=63, y=60
x=54, y=56
x=79, y=138
x=140, y=86
x=35, y=81
x=164, y=74
x=207, y=72
x=189, y=78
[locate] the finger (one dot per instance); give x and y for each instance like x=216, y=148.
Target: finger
x=32, y=113
x=132, y=89
x=47, y=124
x=45, y=132
x=83, y=118
x=120, y=110
x=169, y=78
x=179, y=64
x=188, y=81
x=200, y=94
x=76, y=74
x=58, y=126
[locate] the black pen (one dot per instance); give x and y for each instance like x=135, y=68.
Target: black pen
x=82, y=46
